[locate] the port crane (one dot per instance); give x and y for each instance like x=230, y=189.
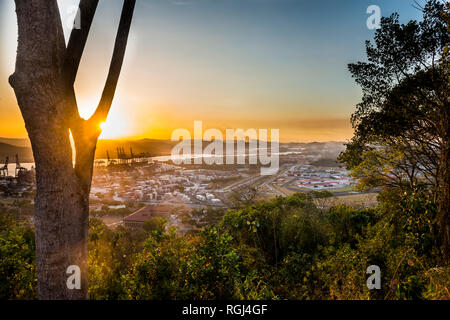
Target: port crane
x=124, y=158
x=4, y=170
x=19, y=168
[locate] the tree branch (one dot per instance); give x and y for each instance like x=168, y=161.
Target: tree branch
x=86, y=133
x=77, y=40
x=37, y=22
x=109, y=90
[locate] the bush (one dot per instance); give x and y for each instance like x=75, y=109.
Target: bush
x=17, y=260
x=285, y=248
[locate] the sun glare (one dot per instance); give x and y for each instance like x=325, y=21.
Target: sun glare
x=119, y=123
x=115, y=128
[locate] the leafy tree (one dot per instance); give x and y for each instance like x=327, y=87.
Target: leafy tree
x=111, y=255
x=17, y=260
x=155, y=225
x=402, y=125
x=214, y=266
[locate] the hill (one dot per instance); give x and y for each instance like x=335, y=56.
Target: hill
x=148, y=146
x=22, y=147
x=8, y=150
x=16, y=142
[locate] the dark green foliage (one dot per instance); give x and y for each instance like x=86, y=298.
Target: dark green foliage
x=156, y=225
x=347, y=223
x=398, y=123
x=111, y=255
x=204, y=267
x=285, y=248
x=402, y=124
x=17, y=260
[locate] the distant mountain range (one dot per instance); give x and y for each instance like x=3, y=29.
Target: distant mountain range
x=16, y=142
x=7, y=150
x=22, y=147
x=151, y=147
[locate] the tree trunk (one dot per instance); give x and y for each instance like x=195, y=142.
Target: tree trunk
x=61, y=210
x=61, y=204
x=443, y=218
x=43, y=84
x=61, y=219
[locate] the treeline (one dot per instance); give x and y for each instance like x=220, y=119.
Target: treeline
x=285, y=248
x=402, y=124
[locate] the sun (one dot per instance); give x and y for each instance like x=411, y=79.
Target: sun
x=118, y=125
x=115, y=128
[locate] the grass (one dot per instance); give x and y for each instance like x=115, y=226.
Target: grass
x=358, y=200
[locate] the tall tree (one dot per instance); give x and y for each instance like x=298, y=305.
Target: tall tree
x=43, y=82
x=402, y=125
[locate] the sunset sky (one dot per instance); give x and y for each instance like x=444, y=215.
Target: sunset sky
x=230, y=63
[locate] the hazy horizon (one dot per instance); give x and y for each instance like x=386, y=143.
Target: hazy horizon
x=2, y=139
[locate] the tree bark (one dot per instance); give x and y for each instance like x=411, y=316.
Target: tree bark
x=43, y=84
x=443, y=218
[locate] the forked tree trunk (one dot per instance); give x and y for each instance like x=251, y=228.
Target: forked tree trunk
x=43, y=83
